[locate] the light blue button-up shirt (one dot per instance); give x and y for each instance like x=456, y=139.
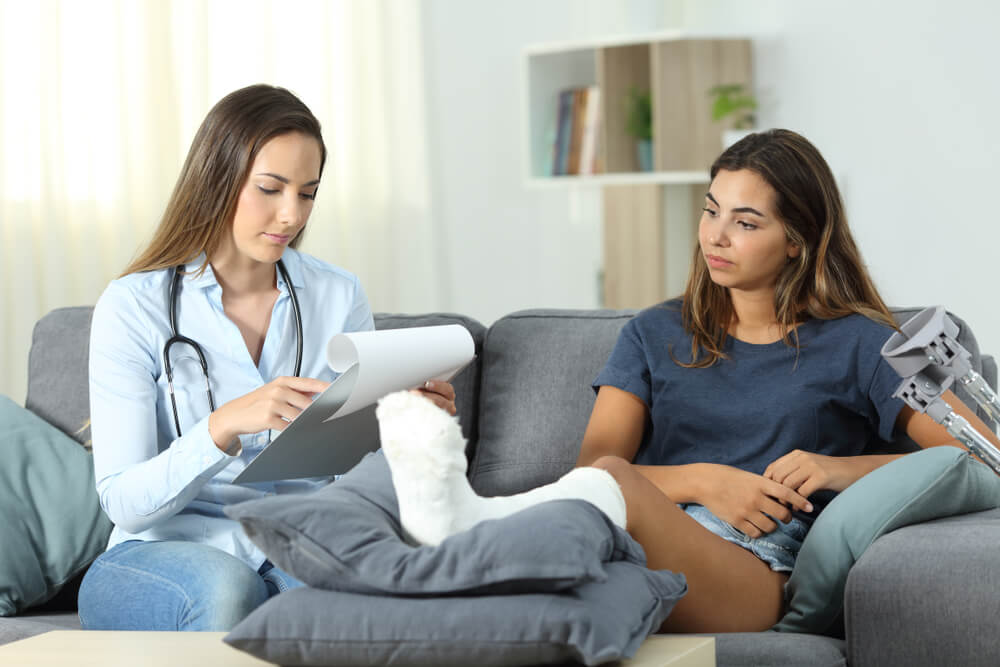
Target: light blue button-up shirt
x=151, y=483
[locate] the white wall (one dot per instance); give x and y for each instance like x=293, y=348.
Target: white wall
x=506, y=247
x=899, y=96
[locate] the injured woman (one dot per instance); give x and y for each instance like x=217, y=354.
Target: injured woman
x=723, y=418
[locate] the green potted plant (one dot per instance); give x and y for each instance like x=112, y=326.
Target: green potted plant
x=733, y=104
x=639, y=125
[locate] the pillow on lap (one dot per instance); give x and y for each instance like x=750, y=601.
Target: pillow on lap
x=925, y=485
x=594, y=623
x=347, y=537
x=55, y=526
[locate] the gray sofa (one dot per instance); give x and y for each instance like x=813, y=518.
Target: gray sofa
x=922, y=595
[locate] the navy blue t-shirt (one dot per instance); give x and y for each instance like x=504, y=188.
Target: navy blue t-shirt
x=833, y=396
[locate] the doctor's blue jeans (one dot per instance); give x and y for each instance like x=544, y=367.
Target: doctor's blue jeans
x=174, y=586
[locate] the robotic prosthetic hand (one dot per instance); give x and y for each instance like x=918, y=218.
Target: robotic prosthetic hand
x=926, y=354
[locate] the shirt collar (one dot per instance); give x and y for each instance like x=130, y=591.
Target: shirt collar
x=291, y=259
x=206, y=279
x=293, y=264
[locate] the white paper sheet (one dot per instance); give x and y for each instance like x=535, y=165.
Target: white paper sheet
x=395, y=359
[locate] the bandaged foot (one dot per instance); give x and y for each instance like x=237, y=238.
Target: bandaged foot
x=426, y=454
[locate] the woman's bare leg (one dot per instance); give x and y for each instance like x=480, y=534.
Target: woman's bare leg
x=729, y=589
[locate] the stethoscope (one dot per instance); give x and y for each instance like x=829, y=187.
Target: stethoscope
x=177, y=338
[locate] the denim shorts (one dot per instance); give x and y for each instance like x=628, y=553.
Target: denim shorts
x=778, y=549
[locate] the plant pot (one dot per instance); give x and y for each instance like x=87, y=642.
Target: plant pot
x=730, y=137
x=644, y=151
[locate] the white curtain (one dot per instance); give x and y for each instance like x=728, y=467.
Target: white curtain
x=99, y=101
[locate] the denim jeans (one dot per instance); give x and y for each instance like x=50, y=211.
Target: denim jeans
x=778, y=549
x=174, y=586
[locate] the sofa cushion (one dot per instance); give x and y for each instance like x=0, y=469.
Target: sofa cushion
x=932, y=483
x=594, y=623
x=54, y=526
x=29, y=625
x=347, y=537
x=926, y=595
x=537, y=370
x=775, y=649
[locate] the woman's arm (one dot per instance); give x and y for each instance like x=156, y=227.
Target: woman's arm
x=807, y=472
x=616, y=425
x=928, y=433
x=137, y=484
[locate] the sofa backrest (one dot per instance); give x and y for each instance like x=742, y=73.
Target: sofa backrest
x=58, y=390
x=523, y=404
x=536, y=396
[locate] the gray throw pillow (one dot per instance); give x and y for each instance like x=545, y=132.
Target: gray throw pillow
x=594, y=623
x=54, y=525
x=925, y=485
x=346, y=537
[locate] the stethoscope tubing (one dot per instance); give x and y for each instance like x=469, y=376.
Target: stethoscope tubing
x=178, y=338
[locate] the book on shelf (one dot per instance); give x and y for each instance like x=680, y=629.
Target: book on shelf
x=591, y=132
x=575, y=148
x=560, y=152
x=576, y=131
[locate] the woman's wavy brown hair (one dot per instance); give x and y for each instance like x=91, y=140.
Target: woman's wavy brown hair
x=223, y=150
x=827, y=280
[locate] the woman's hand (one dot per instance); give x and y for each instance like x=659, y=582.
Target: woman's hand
x=272, y=406
x=747, y=501
x=441, y=393
x=807, y=472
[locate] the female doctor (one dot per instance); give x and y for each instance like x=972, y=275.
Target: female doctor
x=211, y=339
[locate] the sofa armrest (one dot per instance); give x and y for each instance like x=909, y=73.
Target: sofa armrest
x=926, y=595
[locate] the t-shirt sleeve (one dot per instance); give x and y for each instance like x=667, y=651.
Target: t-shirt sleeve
x=628, y=367
x=884, y=384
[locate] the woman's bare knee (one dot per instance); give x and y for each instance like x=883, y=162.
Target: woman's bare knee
x=616, y=465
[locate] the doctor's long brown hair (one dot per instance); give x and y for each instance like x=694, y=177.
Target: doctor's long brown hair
x=827, y=280
x=223, y=150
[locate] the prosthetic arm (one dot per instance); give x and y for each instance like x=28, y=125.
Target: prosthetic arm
x=926, y=354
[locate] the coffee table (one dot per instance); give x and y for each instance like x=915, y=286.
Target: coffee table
x=167, y=649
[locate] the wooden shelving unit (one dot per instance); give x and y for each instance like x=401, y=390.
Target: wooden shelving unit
x=650, y=218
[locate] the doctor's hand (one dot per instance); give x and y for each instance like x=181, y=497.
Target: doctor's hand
x=747, y=501
x=441, y=393
x=269, y=407
x=807, y=472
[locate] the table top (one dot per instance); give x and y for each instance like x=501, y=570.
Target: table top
x=168, y=649
x=86, y=648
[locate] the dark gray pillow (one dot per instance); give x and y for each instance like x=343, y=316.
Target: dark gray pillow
x=347, y=537
x=594, y=623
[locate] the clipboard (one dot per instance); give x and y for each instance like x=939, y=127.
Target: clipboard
x=339, y=427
